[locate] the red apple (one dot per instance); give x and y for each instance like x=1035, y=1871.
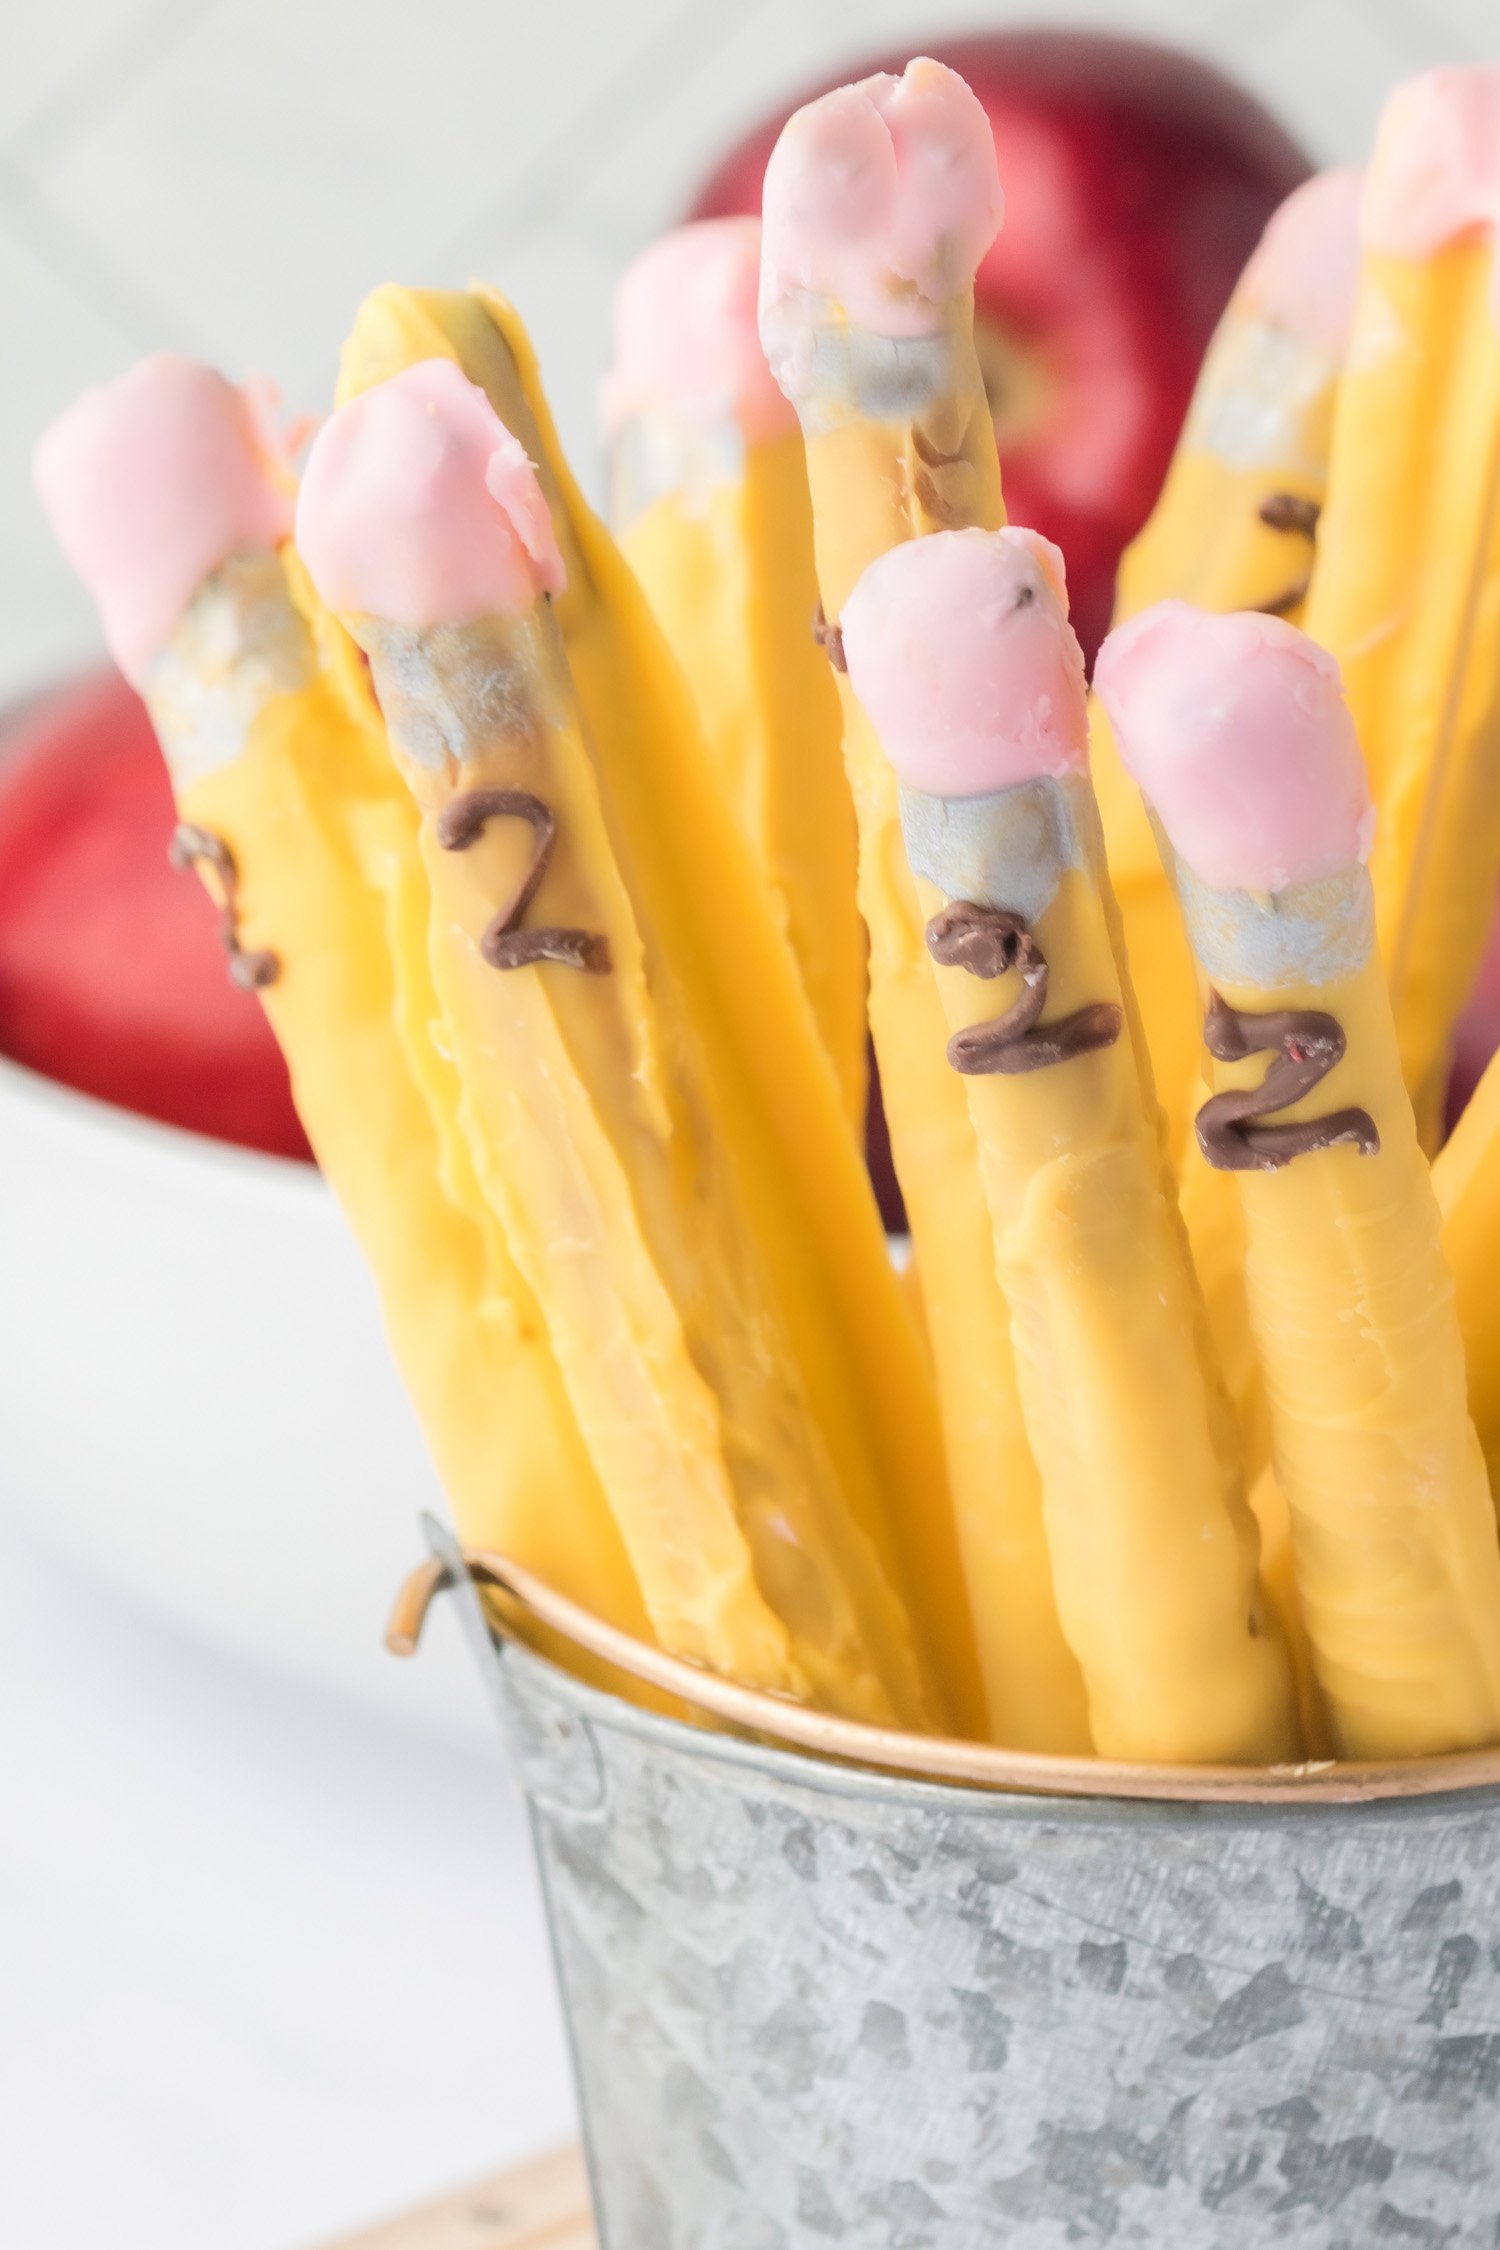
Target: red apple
x=112, y=978
x=1137, y=181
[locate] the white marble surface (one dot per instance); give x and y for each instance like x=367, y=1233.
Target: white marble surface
x=265, y=1970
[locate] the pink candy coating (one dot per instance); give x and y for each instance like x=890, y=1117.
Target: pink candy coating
x=418, y=506
x=1237, y=731
x=960, y=650
x=686, y=342
x=882, y=196
x=151, y=483
x=1303, y=273
x=1435, y=173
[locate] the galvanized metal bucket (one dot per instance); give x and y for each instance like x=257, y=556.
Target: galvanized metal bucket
x=812, y=2003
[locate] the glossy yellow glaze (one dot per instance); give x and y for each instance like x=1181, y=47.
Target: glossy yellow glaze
x=324, y=839
x=873, y=485
x=715, y=1111
x=1279, y=1577
x=1393, y=1531
x=1205, y=540
x=728, y=571
x=1154, y=1549
x=1205, y=543
x=1215, y=1224
x=1466, y=1177
x=1406, y=594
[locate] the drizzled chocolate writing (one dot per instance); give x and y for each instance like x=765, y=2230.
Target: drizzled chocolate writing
x=989, y=942
x=505, y=945
x=829, y=637
x=251, y=970
x=926, y=490
x=1292, y=512
x=1306, y=1043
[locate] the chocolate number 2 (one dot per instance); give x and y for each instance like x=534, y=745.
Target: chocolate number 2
x=505, y=945
x=1307, y=1043
x=250, y=969
x=988, y=941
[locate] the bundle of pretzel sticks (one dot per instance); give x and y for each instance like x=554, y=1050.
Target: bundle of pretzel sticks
x=571, y=866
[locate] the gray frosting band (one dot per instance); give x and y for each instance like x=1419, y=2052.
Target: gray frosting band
x=1252, y=400
x=1314, y=933
x=241, y=643
x=1008, y=850
x=833, y=370
x=451, y=691
x=652, y=455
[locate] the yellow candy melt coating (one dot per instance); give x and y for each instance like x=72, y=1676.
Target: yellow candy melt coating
x=730, y=580
x=1154, y=1549
x=725, y=1002
x=873, y=485
x=324, y=840
x=1406, y=594
x=1393, y=1530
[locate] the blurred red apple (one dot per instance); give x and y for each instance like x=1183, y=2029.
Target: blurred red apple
x=112, y=978
x=1137, y=181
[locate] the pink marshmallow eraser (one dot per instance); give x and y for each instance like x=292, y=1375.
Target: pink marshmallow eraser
x=959, y=648
x=1303, y=273
x=151, y=483
x=685, y=337
x=418, y=506
x=882, y=196
x=1435, y=173
x=1237, y=731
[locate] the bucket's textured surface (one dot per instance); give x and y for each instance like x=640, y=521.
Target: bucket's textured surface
x=816, y=2007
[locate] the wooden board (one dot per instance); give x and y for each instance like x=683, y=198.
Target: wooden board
x=539, y=2206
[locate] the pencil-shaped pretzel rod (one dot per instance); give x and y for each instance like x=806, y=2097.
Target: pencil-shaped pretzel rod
x=1237, y=730
x=1235, y=524
x=425, y=527
x=169, y=502
x=1406, y=589
x=960, y=651
x=879, y=201
x=717, y=962
x=708, y=499
x=1234, y=528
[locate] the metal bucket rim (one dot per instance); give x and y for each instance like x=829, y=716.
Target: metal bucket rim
x=864, y=1756
x=830, y=1778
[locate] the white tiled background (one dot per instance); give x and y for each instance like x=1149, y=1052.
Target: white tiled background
x=261, y=1974
x=229, y=176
